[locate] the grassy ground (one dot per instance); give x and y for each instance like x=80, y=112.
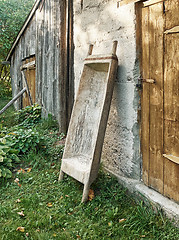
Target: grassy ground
x=6, y=118
x=35, y=206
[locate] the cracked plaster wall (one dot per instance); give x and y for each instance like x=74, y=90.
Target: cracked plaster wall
x=101, y=22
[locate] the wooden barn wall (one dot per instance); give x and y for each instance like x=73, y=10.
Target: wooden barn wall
x=24, y=48
x=51, y=59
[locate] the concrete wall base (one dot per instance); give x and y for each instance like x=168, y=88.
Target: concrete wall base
x=137, y=188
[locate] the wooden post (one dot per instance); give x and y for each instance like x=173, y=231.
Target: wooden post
x=114, y=47
x=90, y=49
x=13, y=100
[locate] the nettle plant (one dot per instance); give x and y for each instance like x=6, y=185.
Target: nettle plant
x=24, y=140
x=8, y=158
x=14, y=144
x=29, y=116
x=19, y=139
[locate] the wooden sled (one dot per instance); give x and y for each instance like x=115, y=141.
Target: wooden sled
x=81, y=158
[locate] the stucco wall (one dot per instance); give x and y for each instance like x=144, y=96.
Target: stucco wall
x=100, y=22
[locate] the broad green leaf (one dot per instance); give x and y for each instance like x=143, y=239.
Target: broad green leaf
x=1, y=158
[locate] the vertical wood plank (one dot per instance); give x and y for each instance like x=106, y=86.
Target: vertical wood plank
x=171, y=101
x=32, y=80
x=39, y=50
x=62, y=80
x=156, y=29
x=145, y=94
x=70, y=61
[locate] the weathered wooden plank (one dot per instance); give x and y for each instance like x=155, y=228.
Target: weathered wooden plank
x=39, y=51
x=29, y=65
x=27, y=85
x=172, y=30
x=18, y=73
x=156, y=29
x=151, y=2
x=25, y=100
x=70, y=57
x=172, y=158
x=54, y=58
x=12, y=101
x=49, y=59
x=144, y=4
x=172, y=13
x=62, y=80
x=145, y=104
x=32, y=80
x=171, y=100
x=44, y=60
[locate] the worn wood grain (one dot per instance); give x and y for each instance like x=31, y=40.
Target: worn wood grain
x=70, y=60
x=145, y=104
x=156, y=29
x=28, y=76
x=24, y=49
x=151, y=2
x=51, y=60
x=12, y=101
x=171, y=100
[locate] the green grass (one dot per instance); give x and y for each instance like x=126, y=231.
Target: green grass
x=53, y=210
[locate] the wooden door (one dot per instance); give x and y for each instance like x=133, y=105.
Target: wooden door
x=30, y=78
x=160, y=100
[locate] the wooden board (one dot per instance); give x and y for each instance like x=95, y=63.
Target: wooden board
x=171, y=102
x=152, y=97
x=160, y=109
x=30, y=77
x=51, y=62
x=156, y=29
x=145, y=95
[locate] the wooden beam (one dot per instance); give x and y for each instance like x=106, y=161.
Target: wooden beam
x=172, y=158
x=145, y=3
x=30, y=65
x=12, y=101
x=151, y=2
x=172, y=30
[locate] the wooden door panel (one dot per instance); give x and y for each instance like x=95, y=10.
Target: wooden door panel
x=156, y=29
x=171, y=101
x=152, y=96
x=160, y=101
x=171, y=115
x=30, y=77
x=145, y=96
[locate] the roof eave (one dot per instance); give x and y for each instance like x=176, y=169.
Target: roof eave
x=28, y=19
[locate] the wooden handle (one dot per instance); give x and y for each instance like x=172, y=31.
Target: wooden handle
x=114, y=47
x=148, y=80
x=90, y=49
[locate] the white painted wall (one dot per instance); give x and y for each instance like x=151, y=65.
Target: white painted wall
x=100, y=22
